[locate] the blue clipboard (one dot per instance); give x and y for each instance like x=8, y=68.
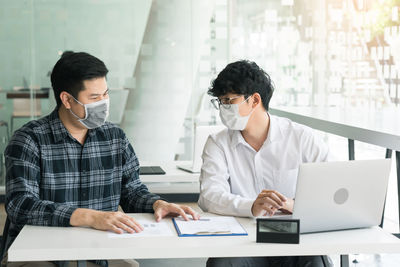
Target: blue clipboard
x=207, y=234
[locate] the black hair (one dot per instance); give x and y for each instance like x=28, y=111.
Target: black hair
x=72, y=69
x=243, y=77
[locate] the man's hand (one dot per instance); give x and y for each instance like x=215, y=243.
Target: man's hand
x=268, y=202
x=117, y=222
x=163, y=208
x=287, y=207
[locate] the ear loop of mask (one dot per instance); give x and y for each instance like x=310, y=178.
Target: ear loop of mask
x=76, y=116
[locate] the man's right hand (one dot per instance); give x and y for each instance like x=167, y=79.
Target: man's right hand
x=117, y=222
x=268, y=202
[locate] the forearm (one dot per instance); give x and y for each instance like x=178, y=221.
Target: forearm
x=138, y=199
x=225, y=203
x=29, y=210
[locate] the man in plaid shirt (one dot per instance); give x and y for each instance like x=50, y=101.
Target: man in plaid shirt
x=71, y=168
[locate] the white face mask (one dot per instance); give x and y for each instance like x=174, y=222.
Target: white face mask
x=231, y=118
x=95, y=113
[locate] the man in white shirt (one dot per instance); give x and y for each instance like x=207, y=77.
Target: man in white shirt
x=250, y=169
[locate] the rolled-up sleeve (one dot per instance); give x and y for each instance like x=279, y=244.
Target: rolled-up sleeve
x=23, y=203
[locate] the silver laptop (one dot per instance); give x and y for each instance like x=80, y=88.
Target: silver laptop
x=341, y=195
x=201, y=133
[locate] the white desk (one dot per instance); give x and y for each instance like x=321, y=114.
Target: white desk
x=36, y=243
x=176, y=184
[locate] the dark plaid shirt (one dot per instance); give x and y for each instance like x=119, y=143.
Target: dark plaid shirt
x=50, y=174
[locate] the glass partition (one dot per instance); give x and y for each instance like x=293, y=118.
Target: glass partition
x=160, y=64
x=322, y=53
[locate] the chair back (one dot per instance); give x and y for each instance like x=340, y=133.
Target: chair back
x=4, y=239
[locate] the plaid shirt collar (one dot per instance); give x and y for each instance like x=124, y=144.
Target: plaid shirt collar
x=60, y=133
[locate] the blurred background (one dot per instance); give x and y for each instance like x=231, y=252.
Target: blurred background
x=163, y=54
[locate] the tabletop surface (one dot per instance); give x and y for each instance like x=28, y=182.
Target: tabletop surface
x=172, y=173
x=77, y=243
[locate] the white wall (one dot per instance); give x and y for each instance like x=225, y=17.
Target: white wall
x=155, y=53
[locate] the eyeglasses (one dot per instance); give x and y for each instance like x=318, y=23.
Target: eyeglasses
x=225, y=102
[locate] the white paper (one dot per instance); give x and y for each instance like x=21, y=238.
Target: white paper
x=210, y=225
x=151, y=228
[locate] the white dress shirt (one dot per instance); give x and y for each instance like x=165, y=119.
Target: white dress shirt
x=233, y=173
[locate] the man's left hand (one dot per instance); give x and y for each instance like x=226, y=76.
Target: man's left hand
x=162, y=208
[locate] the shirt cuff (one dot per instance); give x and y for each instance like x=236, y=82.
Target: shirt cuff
x=62, y=215
x=150, y=202
x=244, y=207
